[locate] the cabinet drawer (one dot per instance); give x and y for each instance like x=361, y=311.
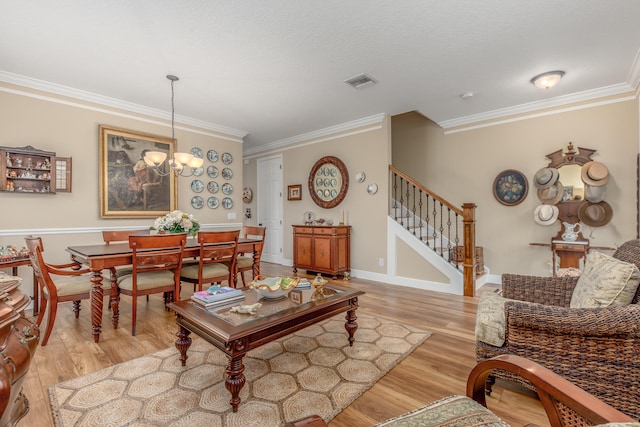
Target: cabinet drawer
x=303, y=230
x=570, y=247
x=324, y=230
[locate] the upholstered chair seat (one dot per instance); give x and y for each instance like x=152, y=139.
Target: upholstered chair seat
x=146, y=281
x=209, y=272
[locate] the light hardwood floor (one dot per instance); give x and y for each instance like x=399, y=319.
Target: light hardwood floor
x=436, y=369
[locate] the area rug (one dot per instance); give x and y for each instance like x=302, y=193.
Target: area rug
x=313, y=371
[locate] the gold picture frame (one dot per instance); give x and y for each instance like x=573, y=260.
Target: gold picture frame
x=295, y=192
x=128, y=187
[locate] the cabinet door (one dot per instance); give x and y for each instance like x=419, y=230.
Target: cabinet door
x=302, y=251
x=342, y=256
x=322, y=252
x=62, y=175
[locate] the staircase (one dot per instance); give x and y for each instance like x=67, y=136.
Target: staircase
x=435, y=229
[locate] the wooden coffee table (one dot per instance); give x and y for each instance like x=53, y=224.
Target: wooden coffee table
x=235, y=334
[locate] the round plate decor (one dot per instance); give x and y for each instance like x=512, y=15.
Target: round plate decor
x=197, y=186
x=372, y=188
x=213, y=187
x=247, y=195
x=198, y=171
x=227, y=173
x=510, y=187
x=197, y=202
x=227, y=188
x=212, y=171
x=227, y=158
x=196, y=152
x=360, y=177
x=227, y=203
x=212, y=202
x=212, y=156
x=327, y=174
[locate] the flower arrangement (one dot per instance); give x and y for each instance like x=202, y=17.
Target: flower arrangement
x=177, y=222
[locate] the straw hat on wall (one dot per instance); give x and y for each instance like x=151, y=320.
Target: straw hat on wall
x=595, y=214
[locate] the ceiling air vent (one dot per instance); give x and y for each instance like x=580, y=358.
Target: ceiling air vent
x=361, y=81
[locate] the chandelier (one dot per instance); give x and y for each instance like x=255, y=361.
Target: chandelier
x=183, y=164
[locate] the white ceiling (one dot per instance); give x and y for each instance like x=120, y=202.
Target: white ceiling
x=275, y=69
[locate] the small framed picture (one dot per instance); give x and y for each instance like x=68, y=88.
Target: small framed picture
x=296, y=296
x=295, y=192
x=567, y=193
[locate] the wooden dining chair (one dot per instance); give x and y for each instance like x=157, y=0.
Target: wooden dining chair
x=71, y=283
x=245, y=262
x=157, y=263
x=120, y=236
x=217, y=259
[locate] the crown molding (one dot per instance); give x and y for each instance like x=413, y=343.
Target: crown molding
x=634, y=72
x=586, y=95
x=303, y=139
x=82, y=95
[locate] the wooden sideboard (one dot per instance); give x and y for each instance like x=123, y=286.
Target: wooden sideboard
x=322, y=248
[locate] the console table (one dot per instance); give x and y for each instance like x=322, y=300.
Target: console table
x=322, y=249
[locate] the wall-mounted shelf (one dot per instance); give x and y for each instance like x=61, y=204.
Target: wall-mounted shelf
x=29, y=170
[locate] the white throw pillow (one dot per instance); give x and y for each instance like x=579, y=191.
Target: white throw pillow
x=605, y=281
x=490, y=323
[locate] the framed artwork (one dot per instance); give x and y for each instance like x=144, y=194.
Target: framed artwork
x=296, y=296
x=510, y=187
x=295, y=192
x=129, y=188
x=567, y=193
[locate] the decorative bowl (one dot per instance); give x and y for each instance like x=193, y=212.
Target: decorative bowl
x=273, y=287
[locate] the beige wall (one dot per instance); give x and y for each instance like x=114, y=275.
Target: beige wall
x=364, y=149
x=70, y=128
x=462, y=166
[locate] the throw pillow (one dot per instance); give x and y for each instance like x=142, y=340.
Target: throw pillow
x=605, y=282
x=490, y=323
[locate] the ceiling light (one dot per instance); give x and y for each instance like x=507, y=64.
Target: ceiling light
x=361, y=81
x=547, y=80
x=181, y=162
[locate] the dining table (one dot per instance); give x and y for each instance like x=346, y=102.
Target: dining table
x=103, y=256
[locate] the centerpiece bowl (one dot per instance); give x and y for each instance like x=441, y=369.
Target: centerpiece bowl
x=273, y=287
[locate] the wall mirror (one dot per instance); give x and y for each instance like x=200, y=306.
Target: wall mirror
x=328, y=182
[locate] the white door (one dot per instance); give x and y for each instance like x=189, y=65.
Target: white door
x=269, y=203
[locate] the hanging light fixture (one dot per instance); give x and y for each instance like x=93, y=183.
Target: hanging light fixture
x=183, y=164
x=547, y=80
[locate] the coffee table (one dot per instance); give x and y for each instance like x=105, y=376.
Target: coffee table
x=235, y=333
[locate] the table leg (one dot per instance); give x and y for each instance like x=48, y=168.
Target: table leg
x=350, y=325
x=235, y=379
x=115, y=301
x=256, y=261
x=183, y=343
x=96, y=297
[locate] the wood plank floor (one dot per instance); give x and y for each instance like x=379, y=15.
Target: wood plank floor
x=436, y=369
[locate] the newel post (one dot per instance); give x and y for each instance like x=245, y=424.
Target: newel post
x=469, y=243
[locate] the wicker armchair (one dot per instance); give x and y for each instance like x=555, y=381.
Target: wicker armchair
x=597, y=349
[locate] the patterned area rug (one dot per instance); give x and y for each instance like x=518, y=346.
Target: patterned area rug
x=313, y=371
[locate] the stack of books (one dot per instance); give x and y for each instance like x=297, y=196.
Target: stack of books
x=303, y=284
x=226, y=295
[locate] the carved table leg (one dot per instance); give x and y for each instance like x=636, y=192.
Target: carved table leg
x=350, y=325
x=235, y=379
x=183, y=343
x=96, y=304
x=256, y=261
x=115, y=303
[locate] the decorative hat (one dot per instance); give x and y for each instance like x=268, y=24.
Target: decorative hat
x=595, y=214
x=546, y=177
x=595, y=173
x=594, y=194
x=545, y=214
x=551, y=195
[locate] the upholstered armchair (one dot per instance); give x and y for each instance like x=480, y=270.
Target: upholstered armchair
x=598, y=349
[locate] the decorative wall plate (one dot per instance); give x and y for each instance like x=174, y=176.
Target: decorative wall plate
x=196, y=152
x=197, y=186
x=197, y=202
x=227, y=188
x=227, y=173
x=510, y=187
x=198, y=171
x=247, y=195
x=372, y=188
x=212, y=171
x=212, y=202
x=212, y=156
x=227, y=203
x=360, y=177
x=213, y=187
x=227, y=158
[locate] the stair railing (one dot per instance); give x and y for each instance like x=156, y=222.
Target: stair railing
x=446, y=229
